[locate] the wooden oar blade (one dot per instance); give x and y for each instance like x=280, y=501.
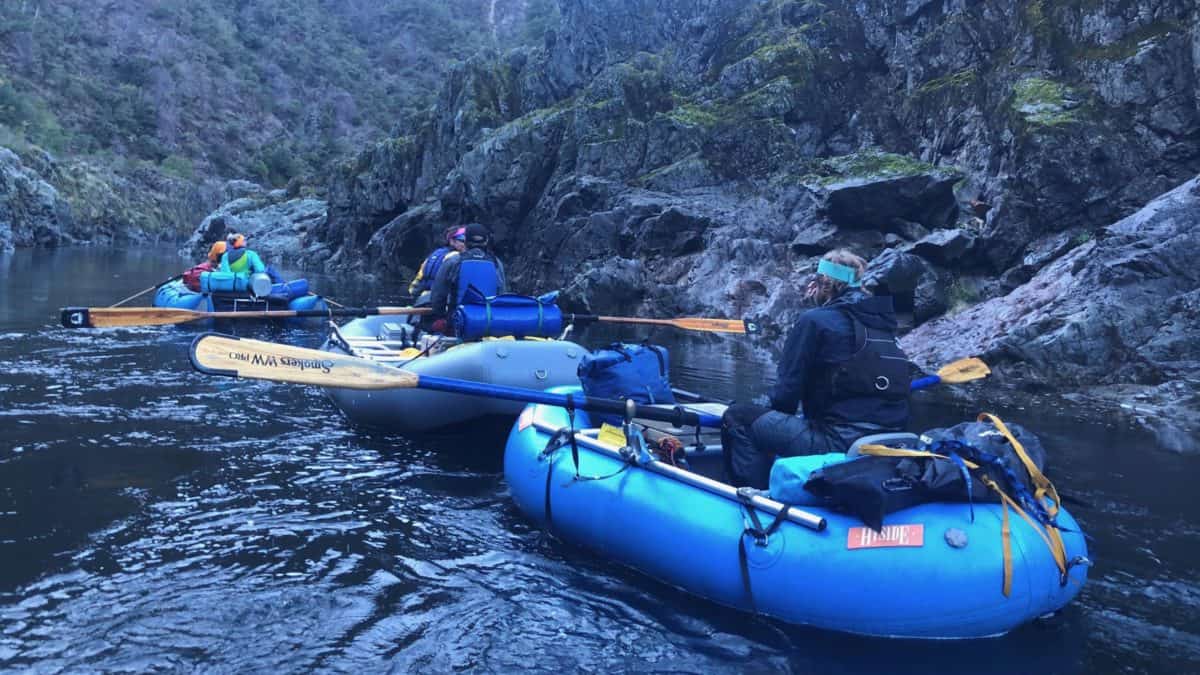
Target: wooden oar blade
x=964, y=370
x=738, y=326
x=217, y=354
x=111, y=317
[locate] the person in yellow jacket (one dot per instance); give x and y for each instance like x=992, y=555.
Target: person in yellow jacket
x=456, y=242
x=239, y=259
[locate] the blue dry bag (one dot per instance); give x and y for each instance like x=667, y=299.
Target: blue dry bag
x=517, y=315
x=224, y=282
x=639, y=372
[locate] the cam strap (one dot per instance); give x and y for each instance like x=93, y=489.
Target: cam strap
x=1048, y=531
x=760, y=535
x=1042, y=485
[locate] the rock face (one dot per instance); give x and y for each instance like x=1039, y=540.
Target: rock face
x=44, y=202
x=274, y=225
x=695, y=156
x=31, y=211
x=682, y=135
x=1122, y=308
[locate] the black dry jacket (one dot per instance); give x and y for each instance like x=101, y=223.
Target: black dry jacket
x=821, y=344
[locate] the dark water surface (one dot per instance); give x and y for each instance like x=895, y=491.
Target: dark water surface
x=152, y=518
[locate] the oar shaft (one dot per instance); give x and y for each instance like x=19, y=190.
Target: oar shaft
x=315, y=313
x=677, y=416
x=109, y=317
x=141, y=293
x=686, y=323
x=924, y=382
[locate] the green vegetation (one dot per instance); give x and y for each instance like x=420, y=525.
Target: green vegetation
x=695, y=115
x=269, y=89
x=1130, y=44
x=28, y=118
x=957, y=80
x=876, y=163
x=180, y=167
x=792, y=57
x=1044, y=103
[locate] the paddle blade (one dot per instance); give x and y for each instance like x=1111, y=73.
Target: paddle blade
x=110, y=317
x=715, y=325
x=216, y=354
x=964, y=370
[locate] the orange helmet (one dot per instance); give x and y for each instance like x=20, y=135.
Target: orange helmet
x=217, y=250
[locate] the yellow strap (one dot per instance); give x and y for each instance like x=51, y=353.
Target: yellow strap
x=1049, y=534
x=1042, y=485
x=885, y=451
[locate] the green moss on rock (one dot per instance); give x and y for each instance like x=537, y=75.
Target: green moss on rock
x=875, y=164
x=695, y=115
x=960, y=79
x=1129, y=45
x=1044, y=103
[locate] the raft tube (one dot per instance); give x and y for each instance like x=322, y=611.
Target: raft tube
x=818, y=569
x=177, y=295
x=531, y=364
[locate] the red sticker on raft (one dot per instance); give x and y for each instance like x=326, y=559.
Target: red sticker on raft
x=525, y=419
x=892, y=536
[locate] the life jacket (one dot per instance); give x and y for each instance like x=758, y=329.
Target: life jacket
x=238, y=262
x=479, y=273
x=878, y=369
x=430, y=269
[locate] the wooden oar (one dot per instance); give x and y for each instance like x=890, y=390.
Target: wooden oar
x=107, y=317
x=216, y=354
x=740, y=326
x=152, y=288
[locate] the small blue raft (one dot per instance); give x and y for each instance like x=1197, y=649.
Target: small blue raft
x=292, y=295
x=932, y=573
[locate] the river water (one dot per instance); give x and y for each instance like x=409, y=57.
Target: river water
x=152, y=518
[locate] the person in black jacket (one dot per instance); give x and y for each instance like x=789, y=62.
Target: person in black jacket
x=842, y=376
x=475, y=267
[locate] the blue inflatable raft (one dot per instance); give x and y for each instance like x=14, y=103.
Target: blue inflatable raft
x=292, y=295
x=930, y=573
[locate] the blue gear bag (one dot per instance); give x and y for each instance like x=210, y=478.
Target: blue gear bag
x=520, y=316
x=638, y=372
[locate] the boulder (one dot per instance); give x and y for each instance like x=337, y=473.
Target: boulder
x=895, y=272
x=275, y=227
x=945, y=247
x=1118, y=309
x=875, y=190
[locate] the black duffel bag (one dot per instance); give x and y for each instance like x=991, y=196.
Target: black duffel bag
x=871, y=487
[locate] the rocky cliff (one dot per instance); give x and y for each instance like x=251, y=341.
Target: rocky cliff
x=695, y=156
x=649, y=144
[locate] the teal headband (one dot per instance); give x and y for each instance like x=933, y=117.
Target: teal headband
x=838, y=272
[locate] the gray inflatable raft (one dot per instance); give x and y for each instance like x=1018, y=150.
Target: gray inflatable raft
x=532, y=364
